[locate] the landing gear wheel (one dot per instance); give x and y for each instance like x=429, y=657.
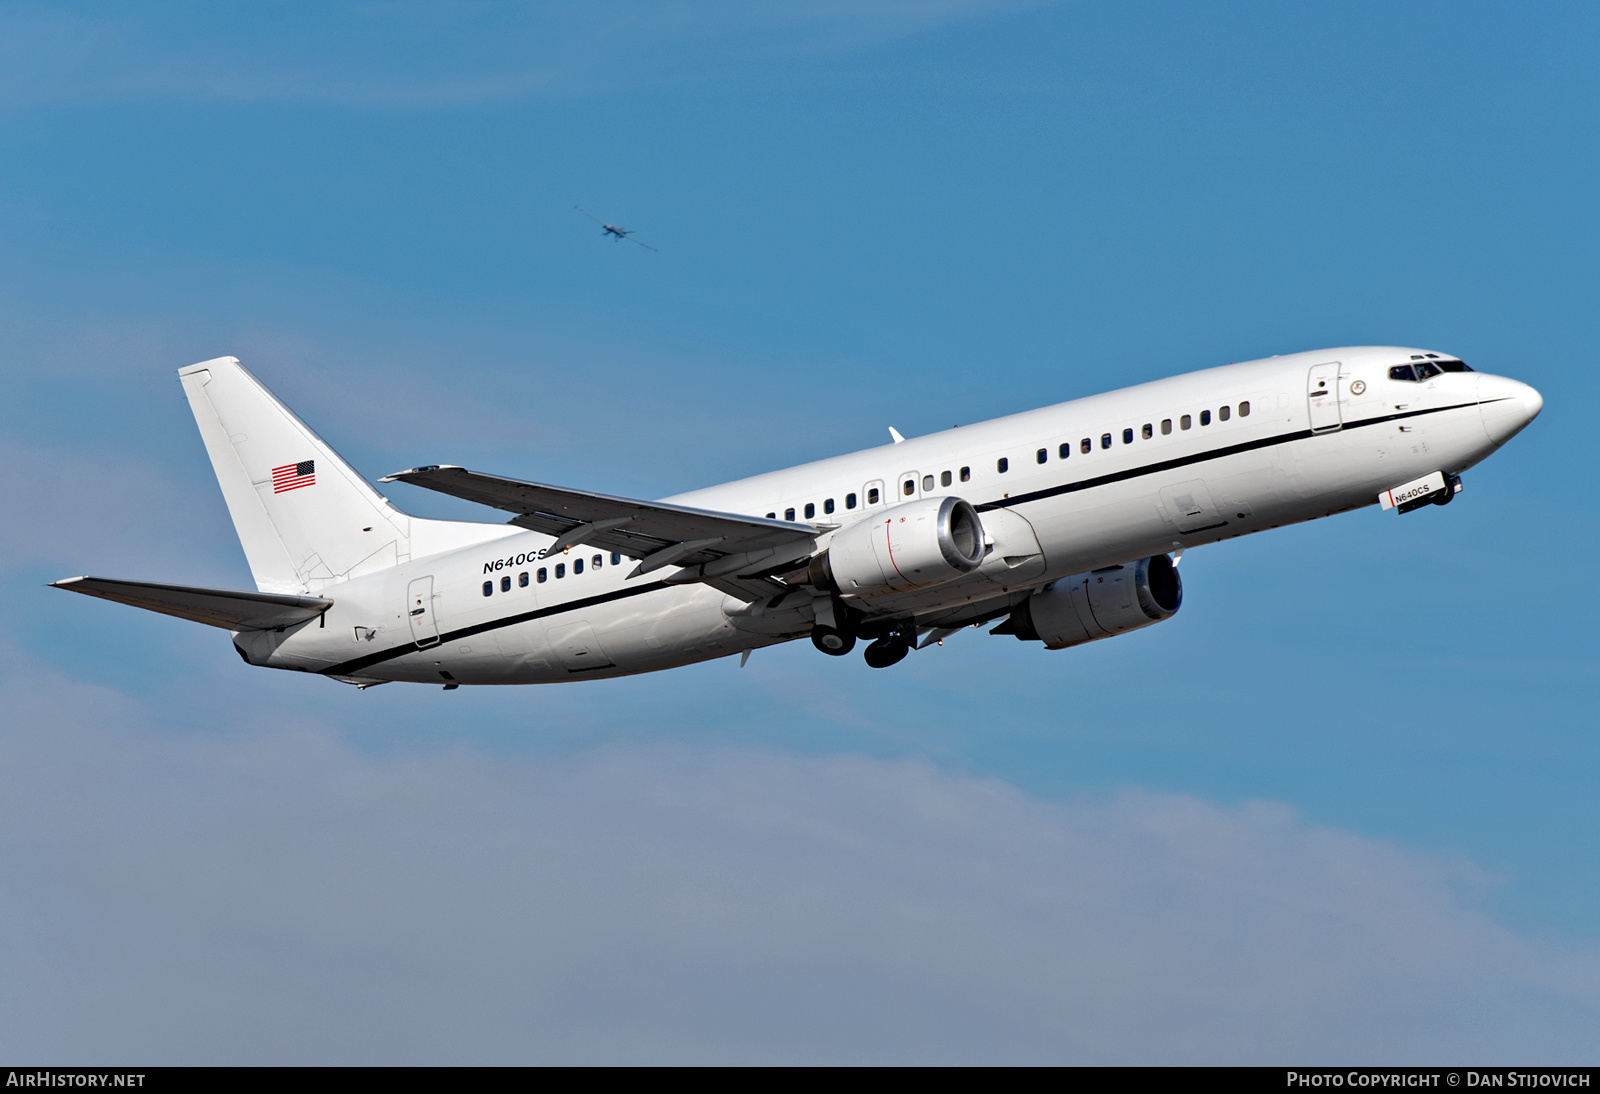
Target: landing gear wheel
x=886, y=651
x=832, y=642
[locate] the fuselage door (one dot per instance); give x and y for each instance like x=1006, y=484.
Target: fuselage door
x=1322, y=395
x=872, y=493
x=419, y=609
x=905, y=487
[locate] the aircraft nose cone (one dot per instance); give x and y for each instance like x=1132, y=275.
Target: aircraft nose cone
x=1507, y=406
x=1532, y=402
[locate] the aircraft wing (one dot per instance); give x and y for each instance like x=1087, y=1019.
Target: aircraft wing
x=213, y=607
x=709, y=543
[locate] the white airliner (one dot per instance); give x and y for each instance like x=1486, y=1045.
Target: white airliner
x=1065, y=524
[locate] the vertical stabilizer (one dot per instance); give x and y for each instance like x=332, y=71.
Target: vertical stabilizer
x=304, y=517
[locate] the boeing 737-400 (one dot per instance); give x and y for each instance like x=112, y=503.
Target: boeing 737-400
x=1062, y=525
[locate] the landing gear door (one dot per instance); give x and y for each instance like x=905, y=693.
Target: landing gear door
x=1322, y=396
x=419, y=609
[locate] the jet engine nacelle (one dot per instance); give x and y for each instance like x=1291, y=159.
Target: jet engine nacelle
x=1086, y=607
x=909, y=546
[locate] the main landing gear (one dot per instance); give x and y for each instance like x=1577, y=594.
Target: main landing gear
x=835, y=635
x=835, y=632
x=832, y=641
x=891, y=649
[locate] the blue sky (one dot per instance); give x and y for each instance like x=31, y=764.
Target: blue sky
x=1340, y=807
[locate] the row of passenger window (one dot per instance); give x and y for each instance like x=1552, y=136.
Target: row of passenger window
x=542, y=574
x=908, y=486
x=1147, y=431
x=873, y=497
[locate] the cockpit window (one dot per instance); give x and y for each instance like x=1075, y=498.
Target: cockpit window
x=1425, y=370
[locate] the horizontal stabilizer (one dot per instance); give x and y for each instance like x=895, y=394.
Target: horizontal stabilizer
x=213, y=607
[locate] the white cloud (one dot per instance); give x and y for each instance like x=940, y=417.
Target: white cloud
x=259, y=891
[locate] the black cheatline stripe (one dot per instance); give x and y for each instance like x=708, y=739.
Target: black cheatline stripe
x=368, y=660
x=1201, y=457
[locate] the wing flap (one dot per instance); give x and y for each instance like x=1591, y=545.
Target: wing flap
x=214, y=607
x=749, y=590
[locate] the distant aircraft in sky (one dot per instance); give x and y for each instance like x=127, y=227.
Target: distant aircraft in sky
x=616, y=233
x=1063, y=525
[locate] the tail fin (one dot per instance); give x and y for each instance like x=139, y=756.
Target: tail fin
x=304, y=517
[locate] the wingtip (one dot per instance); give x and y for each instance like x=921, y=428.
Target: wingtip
x=66, y=581
x=399, y=475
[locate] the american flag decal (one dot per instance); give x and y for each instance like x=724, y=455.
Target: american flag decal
x=292, y=476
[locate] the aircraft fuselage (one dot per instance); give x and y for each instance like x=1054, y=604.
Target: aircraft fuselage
x=1063, y=490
